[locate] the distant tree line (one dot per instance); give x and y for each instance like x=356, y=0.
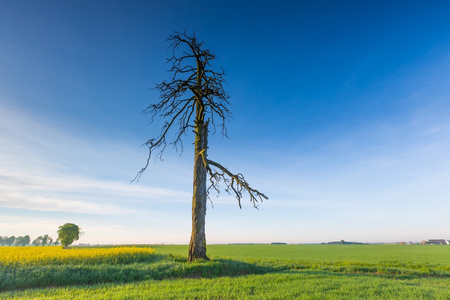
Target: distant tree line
x=42, y=240
x=342, y=242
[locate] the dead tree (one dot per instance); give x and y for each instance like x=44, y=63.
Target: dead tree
x=192, y=99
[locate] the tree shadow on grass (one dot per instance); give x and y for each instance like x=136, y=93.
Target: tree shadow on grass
x=159, y=267
x=224, y=267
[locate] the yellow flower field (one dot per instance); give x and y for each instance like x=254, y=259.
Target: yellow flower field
x=22, y=256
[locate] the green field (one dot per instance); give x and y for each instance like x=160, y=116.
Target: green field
x=434, y=254
x=246, y=272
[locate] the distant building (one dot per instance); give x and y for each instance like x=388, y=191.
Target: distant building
x=438, y=242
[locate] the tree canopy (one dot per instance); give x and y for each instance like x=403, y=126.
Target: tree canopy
x=68, y=233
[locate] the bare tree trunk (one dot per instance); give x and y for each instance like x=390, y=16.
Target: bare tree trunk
x=197, y=245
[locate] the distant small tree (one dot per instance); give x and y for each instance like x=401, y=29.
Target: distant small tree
x=42, y=240
x=3, y=240
x=46, y=240
x=37, y=241
x=68, y=233
x=22, y=241
x=9, y=241
x=26, y=240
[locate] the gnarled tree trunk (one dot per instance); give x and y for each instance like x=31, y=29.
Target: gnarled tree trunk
x=197, y=245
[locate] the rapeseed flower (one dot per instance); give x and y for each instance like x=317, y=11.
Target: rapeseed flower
x=30, y=256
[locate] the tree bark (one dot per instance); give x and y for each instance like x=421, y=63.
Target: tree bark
x=197, y=245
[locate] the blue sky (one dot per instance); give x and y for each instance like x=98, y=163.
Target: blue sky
x=340, y=115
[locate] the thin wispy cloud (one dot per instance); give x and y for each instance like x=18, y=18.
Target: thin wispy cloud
x=34, y=174
x=18, y=225
x=42, y=203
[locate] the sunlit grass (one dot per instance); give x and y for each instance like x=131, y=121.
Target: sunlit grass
x=432, y=254
x=235, y=272
x=282, y=285
x=25, y=267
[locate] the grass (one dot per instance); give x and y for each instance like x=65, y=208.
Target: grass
x=284, y=285
x=245, y=272
x=118, y=265
x=368, y=253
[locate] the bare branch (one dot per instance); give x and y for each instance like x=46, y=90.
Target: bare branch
x=234, y=182
x=153, y=143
